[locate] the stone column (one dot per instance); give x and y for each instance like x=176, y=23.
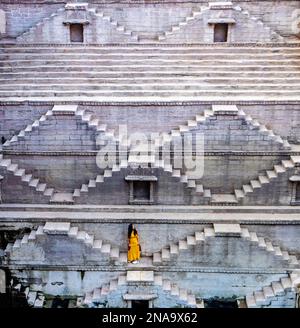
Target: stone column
x=1, y=179
x=2, y=282
x=2, y=22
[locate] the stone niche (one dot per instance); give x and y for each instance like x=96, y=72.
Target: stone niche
x=76, y=20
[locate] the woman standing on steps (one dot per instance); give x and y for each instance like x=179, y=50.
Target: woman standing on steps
x=134, y=248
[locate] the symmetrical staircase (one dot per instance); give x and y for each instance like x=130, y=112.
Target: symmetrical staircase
x=23, y=36
x=267, y=177
x=268, y=296
x=26, y=178
x=71, y=231
x=99, y=294
x=171, y=251
x=195, y=14
x=114, y=23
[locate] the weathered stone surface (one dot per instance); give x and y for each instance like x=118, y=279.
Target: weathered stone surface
x=227, y=229
x=57, y=228
x=2, y=22
x=2, y=282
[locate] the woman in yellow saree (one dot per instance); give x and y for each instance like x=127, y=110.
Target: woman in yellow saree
x=134, y=248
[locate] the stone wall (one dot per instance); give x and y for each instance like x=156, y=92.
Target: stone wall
x=155, y=236
x=283, y=119
x=155, y=20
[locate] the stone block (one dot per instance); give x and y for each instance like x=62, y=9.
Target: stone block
x=57, y=228
x=232, y=230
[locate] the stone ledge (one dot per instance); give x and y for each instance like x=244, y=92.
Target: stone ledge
x=57, y=228
x=227, y=230
x=140, y=276
x=155, y=45
x=140, y=297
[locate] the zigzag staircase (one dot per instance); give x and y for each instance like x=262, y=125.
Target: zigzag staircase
x=22, y=37
x=170, y=252
x=99, y=294
x=268, y=296
x=71, y=231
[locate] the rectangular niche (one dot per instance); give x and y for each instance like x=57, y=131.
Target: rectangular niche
x=141, y=189
x=221, y=32
x=76, y=33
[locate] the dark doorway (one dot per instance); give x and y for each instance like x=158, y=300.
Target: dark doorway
x=220, y=32
x=76, y=32
x=141, y=190
x=140, y=305
x=297, y=198
x=217, y=303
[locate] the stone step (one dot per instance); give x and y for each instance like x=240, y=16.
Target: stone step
x=158, y=53
x=277, y=288
x=158, y=280
x=271, y=174
x=270, y=247
x=259, y=298
x=250, y=301
x=166, y=285
x=165, y=254
x=268, y=292
x=65, y=80
x=32, y=235
x=277, y=251
x=182, y=245
x=253, y=237
x=191, y=240
x=157, y=258
x=183, y=294
x=88, y=299
x=159, y=88
x=209, y=232
x=262, y=242
x=148, y=61
x=150, y=49
x=106, y=248
x=199, y=237
x=174, y=249
x=96, y=295
x=293, y=260
x=279, y=169
x=247, y=189
x=286, y=283
x=174, y=290
x=245, y=233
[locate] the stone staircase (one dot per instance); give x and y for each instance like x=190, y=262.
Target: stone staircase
x=114, y=23
x=103, y=136
x=177, y=27
x=270, y=247
x=71, y=231
x=135, y=36
x=269, y=296
x=171, y=251
x=150, y=73
x=203, y=119
x=274, y=35
x=26, y=178
x=267, y=178
x=99, y=294
x=23, y=37
x=34, y=298
x=86, y=117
